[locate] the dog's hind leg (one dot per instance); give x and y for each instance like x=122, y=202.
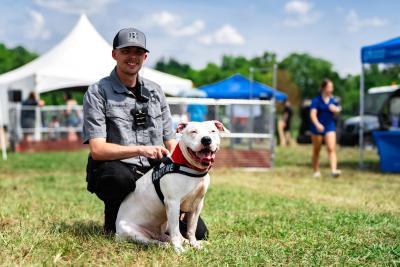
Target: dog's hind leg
x=129, y=232
x=164, y=237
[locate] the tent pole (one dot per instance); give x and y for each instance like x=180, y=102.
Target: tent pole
x=251, y=118
x=38, y=112
x=272, y=129
x=251, y=74
x=361, y=125
x=273, y=113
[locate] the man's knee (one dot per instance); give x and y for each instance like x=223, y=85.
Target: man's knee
x=114, y=180
x=201, y=230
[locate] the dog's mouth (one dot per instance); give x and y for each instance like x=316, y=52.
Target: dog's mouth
x=205, y=156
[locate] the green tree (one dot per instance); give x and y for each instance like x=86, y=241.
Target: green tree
x=299, y=75
x=229, y=65
x=351, y=96
x=13, y=58
x=172, y=66
x=308, y=72
x=381, y=76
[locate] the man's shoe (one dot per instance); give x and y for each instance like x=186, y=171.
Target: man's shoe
x=109, y=230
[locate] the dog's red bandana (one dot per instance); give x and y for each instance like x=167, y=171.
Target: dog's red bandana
x=178, y=158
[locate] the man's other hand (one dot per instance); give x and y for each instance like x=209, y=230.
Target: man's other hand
x=154, y=152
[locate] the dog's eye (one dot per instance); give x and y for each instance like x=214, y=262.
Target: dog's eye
x=193, y=132
x=213, y=131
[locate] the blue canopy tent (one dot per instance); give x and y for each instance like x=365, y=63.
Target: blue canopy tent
x=239, y=87
x=387, y=52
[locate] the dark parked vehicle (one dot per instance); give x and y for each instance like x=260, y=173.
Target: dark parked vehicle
x=374, y=104
x=389, y=116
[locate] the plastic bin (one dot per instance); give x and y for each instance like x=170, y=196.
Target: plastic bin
x=388, y=143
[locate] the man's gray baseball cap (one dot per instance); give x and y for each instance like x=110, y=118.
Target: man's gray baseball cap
x=130, y=37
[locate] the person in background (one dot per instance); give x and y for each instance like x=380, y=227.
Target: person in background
x=285, y=124
x=54, y=133
x=197, y=112
x=72, y=116
x=324, y=107
x=28, y=115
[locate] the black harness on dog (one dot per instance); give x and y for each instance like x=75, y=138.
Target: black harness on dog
x=168, y=166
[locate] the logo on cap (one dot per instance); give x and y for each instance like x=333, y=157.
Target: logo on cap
x=132, y=37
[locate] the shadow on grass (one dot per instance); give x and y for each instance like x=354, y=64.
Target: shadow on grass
x=80, y=229
x=84, y=230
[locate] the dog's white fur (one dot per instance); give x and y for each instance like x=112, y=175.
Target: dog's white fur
x=143, y=218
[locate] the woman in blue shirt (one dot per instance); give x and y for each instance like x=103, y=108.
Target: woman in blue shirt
x=323, y=110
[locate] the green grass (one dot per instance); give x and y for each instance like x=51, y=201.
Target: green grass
x=277, y=217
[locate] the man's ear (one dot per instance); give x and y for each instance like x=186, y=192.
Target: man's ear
x=181, y=126
x=221, y=127
x=113, y=53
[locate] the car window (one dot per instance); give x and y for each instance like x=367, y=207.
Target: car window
x=395, y=106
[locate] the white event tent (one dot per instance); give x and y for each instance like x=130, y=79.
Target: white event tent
x=80, y=59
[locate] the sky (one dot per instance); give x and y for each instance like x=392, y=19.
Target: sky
x=198, y=32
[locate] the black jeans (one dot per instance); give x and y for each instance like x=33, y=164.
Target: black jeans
x=112, y=181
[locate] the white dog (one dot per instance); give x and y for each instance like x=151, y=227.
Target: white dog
x=178, y=185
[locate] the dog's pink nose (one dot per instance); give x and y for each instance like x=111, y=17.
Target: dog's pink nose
x=206, y=141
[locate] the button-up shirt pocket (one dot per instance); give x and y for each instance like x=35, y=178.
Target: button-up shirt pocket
x=119, y=124
x=155, y=125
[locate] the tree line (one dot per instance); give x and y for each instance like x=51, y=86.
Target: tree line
x=12, y=58
x=299, y=74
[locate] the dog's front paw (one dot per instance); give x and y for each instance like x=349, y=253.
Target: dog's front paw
x=179, y=249
x=177, y=242
x=164, y=244
x=196, y=244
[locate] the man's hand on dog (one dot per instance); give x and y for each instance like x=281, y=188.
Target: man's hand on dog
x=154, y=152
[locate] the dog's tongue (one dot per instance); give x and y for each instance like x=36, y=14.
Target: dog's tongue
x=206, y=155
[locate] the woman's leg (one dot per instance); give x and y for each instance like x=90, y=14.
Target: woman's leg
x=288, y=137
x=330, y=141
x=317, y=143
x=282, y=137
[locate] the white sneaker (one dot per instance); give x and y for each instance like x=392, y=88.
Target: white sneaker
x=336, y=174
x=317, y=175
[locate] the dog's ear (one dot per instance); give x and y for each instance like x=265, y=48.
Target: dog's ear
x=221, y=127
x=181, y=126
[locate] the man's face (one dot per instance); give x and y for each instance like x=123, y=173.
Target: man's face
x=129, y=59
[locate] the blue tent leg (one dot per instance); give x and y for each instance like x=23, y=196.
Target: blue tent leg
x=361, y=125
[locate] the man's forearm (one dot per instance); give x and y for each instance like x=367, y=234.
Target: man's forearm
x=110, y=151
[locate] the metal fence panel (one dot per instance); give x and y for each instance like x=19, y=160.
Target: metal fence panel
x=251, y=122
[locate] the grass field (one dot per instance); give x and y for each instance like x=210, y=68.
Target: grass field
x=277, y=217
